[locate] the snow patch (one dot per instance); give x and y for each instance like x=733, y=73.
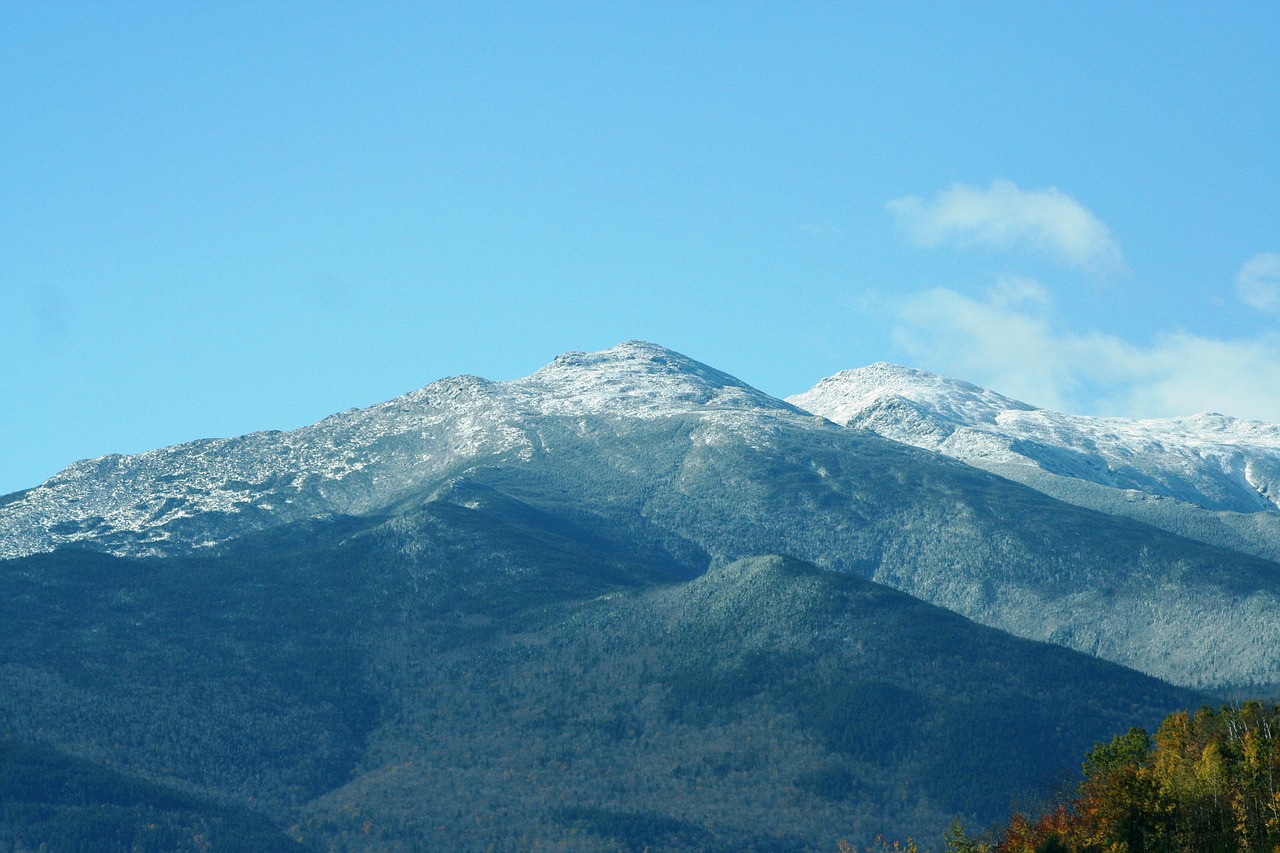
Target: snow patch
x=1211, y=460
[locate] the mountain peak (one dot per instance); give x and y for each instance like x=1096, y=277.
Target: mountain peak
x=640, y=357
x=636, y=355
x=638, y=378
x=358, y=461
x=1208, y=460
x=849, y=393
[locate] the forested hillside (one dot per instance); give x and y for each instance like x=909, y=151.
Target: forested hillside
x=557, y=692
x=52, y=802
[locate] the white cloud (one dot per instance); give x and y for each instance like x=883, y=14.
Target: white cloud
x=1007, y=342
x=1004, y=217
x=1258, y=282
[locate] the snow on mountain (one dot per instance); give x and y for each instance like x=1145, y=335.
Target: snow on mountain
x=650, y=458
x=205, y=492
x=637, y=379
x=1209, y=460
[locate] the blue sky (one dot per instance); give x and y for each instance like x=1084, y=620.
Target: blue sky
x=223, y=217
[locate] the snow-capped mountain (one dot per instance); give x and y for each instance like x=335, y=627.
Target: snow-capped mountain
x=1157, y=470
x=481, y=591
x=659, y=466
x=1211, y=460
x=202, y=493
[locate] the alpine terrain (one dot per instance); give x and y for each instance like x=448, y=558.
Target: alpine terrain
x=1209, y=476
x=628, y=601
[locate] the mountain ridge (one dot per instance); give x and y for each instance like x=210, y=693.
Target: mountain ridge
x=1215, y=461
x=659, y=460
x=353, y=461
x=1208, y=477
x=766, y=704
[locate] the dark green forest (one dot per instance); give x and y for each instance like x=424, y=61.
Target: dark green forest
x=52, y=802
x=534, y=689
x=664, y=613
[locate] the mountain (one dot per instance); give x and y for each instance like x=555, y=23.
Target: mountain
x=625, y=602
x=493, y=692
x=669, y=466
x=203, y=493
x=766, y=705
x=1210, y=477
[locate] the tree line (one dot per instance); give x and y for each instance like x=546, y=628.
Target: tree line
x=1207, y=782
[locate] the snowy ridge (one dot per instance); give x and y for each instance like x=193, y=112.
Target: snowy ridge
x=642, y=454
x=202, y=493
x=1209, y=460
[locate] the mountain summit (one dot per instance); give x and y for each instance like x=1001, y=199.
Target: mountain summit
x=637, y=378
x=1210, y=460
x=846, y=395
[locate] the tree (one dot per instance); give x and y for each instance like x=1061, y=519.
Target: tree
x=1207, y=783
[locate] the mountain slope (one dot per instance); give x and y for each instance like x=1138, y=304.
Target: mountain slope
x=765, y=705
x=659, y=461
x=381, y=682
x=204, y=493
x=1211, y=477
x=49, y=801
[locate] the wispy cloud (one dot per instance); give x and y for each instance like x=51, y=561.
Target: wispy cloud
x=1258, y=282
x=1004, y=217
x=1007, y=342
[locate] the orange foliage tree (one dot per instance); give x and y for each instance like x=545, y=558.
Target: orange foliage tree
x=1207, y=783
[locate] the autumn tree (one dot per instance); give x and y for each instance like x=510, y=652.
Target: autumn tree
x=1206, y=783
